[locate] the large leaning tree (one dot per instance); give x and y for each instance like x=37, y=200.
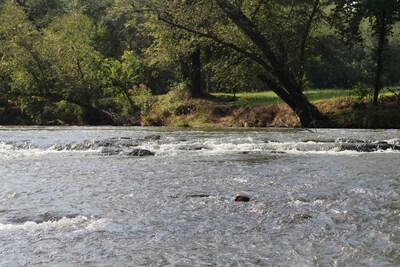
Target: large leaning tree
x=272, y=34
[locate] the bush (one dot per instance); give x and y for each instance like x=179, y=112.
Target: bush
x=395, y=91
x=63, y=112
x=362, y=91
x=142, y=97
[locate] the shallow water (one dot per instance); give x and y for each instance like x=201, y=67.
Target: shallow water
x=313, y=203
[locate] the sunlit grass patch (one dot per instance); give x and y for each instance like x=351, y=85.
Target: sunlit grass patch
x=326, y=94
x=270, y=98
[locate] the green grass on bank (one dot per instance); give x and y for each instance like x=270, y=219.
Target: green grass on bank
x=270, y=98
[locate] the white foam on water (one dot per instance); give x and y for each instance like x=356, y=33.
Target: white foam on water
x=172, y=147
x=4, y=146
x=18, y=154
x=81, y=222
x=215, y=147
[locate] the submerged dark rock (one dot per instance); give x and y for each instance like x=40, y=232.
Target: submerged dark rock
x=110, y=151
x=197, y=195
x=191, y=195
x=191, y=148
x=41, y=218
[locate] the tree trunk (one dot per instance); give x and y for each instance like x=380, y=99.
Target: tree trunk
x=308, y=114
x=196, y=77
x=379, y=55
x=206, y=85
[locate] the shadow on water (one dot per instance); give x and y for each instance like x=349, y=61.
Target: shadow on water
x=246, y=157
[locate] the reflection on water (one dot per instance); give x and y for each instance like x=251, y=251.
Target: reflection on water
x=64, y=202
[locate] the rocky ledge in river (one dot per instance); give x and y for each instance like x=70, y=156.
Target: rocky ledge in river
x=135, y=152
x=365, y=146
x=125, y=146
x=121, y=146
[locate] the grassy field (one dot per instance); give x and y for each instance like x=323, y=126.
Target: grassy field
x=270, y=98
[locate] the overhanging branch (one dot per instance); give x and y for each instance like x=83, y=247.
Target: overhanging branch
x=214, y=38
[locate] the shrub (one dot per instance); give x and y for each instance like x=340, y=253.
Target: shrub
x=362, y=91
x=142, y=97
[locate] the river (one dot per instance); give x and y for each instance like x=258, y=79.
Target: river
x=78, y=196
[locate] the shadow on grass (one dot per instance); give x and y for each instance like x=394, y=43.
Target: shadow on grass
x=247, y=99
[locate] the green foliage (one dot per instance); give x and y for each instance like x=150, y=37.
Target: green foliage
x=42, y=12
x=395, y=90
x=118, y=77
x=142, y=98
x=57, y=63
x=332, y=64
x=94, y=9
x=362, y=91
x=169, y=103
x=382, y=15
x=21, y=66
x=64, y=58
x=348, y=15
x=75, y=61
x=63, y=112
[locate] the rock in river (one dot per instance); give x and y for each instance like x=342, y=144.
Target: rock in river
x=136, y=152
x=241, y=198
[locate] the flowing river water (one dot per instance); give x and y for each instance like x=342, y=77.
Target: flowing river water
x=88, y=196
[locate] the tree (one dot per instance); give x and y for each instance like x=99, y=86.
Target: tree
x=271, y=34
x=333, y=64
x=174, y=47
x=382, y=14
x=58, y=63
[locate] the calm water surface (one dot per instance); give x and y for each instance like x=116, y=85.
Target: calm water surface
x=65, y=203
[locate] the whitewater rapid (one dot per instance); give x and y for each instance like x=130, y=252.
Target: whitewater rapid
x=131, y=196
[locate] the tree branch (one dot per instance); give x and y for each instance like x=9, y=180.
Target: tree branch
x=278, y=68
x=214, y=38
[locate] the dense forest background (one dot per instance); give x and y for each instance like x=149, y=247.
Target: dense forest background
x=102, y=61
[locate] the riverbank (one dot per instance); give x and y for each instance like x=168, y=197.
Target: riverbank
x=345, y=112
x=243, y=110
